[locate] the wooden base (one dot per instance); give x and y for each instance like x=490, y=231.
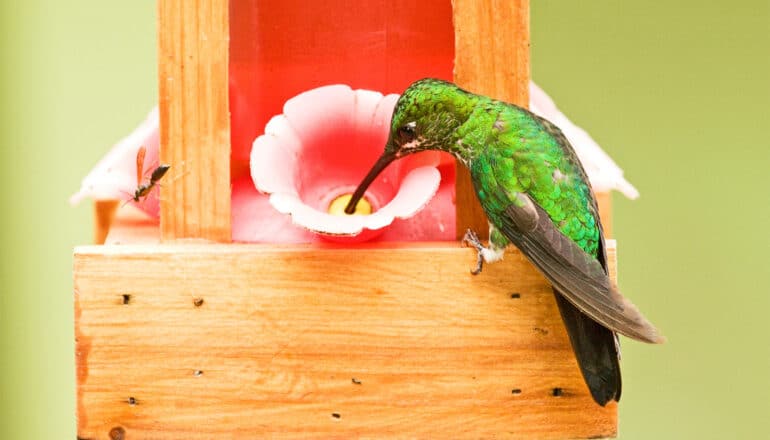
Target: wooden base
x=389, y=340
x=223, y=341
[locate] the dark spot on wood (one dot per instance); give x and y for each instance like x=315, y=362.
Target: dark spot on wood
x=355, y=381
x=516, y=391
x=117, y=433
x=516, y=295
x=336, y=415
x=132, y=401
x=557, y=392
x=197, y=302
x=197, y=373
x=542, y=331
x=126, y=298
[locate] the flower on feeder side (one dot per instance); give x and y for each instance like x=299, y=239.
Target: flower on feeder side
x=114, y=176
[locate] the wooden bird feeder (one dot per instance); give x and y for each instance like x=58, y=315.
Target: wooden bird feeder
x=183, y=335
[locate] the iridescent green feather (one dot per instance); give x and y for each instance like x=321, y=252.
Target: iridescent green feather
x=518, y=154
x=509, y=150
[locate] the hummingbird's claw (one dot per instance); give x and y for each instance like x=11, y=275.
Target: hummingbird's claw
x=471, y=239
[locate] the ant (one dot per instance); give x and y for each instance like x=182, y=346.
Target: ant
x=143, y=189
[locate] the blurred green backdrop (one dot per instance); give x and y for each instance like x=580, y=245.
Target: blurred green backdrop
x=676, y=92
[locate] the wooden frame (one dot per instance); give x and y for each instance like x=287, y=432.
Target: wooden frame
x=497, y=67
x=212, y=341
x=188, y=339
x=195, y=118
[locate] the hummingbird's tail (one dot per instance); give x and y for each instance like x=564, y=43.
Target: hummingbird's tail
x=596, y=351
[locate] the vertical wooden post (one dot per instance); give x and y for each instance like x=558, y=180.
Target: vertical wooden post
x=194, y=119
x=491, y=58
x=604, y=202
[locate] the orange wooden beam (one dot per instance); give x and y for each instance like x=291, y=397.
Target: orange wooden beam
x=194, y=119
x=491, y=58
x=215, y=341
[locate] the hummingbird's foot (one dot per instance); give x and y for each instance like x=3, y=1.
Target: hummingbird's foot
x=472, y=239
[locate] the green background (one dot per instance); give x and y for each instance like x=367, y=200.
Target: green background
x=676, y=92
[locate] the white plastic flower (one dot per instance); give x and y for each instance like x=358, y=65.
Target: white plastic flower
x=114, y=176
x=318, y=150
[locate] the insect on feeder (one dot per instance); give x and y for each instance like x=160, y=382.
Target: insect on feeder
x=181, y=333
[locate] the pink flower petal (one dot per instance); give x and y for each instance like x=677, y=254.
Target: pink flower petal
x=321, y=112
x=435, y=222
x=320, y=149
x=269, y=178
x=415, y=191
x=114, y=176
x=279, y=126
x=254, y=220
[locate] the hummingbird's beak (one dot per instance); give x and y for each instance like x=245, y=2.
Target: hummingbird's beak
x=380, y=165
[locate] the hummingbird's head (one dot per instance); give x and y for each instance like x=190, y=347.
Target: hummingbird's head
x=425, y=118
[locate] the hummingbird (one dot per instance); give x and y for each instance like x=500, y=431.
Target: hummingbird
x=536, y=195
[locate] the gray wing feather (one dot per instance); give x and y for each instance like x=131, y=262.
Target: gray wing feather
x=575, y=274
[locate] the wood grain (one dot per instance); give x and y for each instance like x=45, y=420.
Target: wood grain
x=491, y=58
x=604, y=202
x=612, y=259
x=194, y=118
x=247, y=341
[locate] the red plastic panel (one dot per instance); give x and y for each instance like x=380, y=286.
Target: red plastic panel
x=280, y=48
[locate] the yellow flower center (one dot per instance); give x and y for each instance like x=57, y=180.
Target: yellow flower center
x=337, y=206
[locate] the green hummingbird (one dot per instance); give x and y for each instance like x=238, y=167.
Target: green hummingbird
x=536, y=195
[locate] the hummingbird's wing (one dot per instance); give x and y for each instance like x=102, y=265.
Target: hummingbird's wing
x=578, y=276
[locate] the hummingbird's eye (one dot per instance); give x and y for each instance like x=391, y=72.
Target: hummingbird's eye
x=407, y=133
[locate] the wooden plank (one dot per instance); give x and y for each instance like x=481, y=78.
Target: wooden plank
x=194, y=118
x=133, y=226
x=612, y=259
x=491, y=58
x=604, y=202
x=225, y=341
